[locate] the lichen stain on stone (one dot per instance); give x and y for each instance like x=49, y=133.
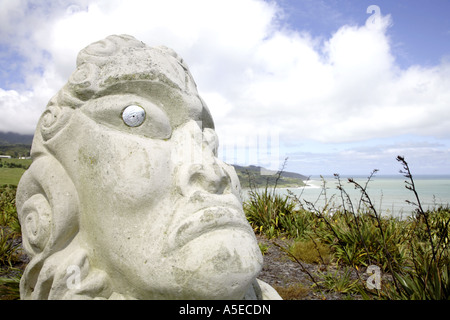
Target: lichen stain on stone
x=225, y=261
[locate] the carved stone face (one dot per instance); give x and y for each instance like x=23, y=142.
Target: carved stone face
x=158, y=211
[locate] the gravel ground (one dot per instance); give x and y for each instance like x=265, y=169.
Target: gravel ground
x=283, y=273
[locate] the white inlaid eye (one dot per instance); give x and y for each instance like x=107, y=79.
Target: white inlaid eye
x=133, y=115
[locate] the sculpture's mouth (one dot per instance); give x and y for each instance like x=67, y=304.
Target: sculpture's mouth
x=218, y=213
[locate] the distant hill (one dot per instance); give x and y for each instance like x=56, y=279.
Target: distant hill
x=253, y=173
x=9, y=138
x=15, y=145
x=18, y=145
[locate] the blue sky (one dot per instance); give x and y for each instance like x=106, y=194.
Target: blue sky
x=420, y=30
x=326, y=84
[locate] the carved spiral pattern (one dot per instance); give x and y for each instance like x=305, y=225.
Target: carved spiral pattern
x=105, y=47
x=83, y=81
x=36, y=223
x=98, y=52
x=53, y=120
x=47, y=207
x=50, y=117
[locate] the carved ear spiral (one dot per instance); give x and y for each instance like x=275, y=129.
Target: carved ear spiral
x=53, y=120
x=36, y=213
x=47, y=206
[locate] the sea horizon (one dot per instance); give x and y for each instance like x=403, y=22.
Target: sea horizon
x=388, y=193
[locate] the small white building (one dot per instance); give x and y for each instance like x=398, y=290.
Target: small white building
x=5, y=157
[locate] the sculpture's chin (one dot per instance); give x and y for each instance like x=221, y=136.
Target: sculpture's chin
x=220, y=264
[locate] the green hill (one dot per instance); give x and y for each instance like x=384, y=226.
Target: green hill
x=253, y=174
x=15, y=145
x=7, y=138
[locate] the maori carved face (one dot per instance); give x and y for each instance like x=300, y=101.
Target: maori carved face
x=126, y=186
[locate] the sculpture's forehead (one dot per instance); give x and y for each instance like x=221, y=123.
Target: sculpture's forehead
x=120, y=59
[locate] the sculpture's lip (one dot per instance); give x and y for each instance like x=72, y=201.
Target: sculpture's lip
x=208, y=218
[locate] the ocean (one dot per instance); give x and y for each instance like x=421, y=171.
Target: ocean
x=387, y=193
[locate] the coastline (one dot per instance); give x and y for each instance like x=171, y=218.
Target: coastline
x=388, y=192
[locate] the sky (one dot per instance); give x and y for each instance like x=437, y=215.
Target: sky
x=333, y=86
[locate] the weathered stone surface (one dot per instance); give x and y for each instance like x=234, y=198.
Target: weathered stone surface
x=126, y=198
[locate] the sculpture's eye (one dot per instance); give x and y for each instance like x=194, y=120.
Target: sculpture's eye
x=133, y=115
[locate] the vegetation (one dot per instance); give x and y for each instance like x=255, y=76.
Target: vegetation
x=413, y=253
x=16, y=150
x=11, y=266
x=15, y=163
x=295, y=291
x=272, y=214
x=311, y=251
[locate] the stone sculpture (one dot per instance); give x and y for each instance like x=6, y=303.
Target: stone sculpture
x=126, y=198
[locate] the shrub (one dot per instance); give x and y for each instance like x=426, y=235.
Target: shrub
x=425, y=279
x=268, y=213
x=361, y=243
x=338, y=281
x=9, y=288
x=263, y=248
x=273, y=215
x=10, y=233
x=426, y=276
x=8, y=212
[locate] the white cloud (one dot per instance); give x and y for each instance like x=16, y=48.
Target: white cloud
x=20, y=111
x=11, y=104
x=251, y=70
x=360, y=158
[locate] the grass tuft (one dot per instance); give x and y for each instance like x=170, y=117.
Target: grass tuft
x=295, y=291
x=311, y=251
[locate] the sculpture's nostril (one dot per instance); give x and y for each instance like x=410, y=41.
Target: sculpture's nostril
x=210, y=178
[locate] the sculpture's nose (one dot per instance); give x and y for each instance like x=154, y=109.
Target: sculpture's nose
x=208, y=174
x=198, y=166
